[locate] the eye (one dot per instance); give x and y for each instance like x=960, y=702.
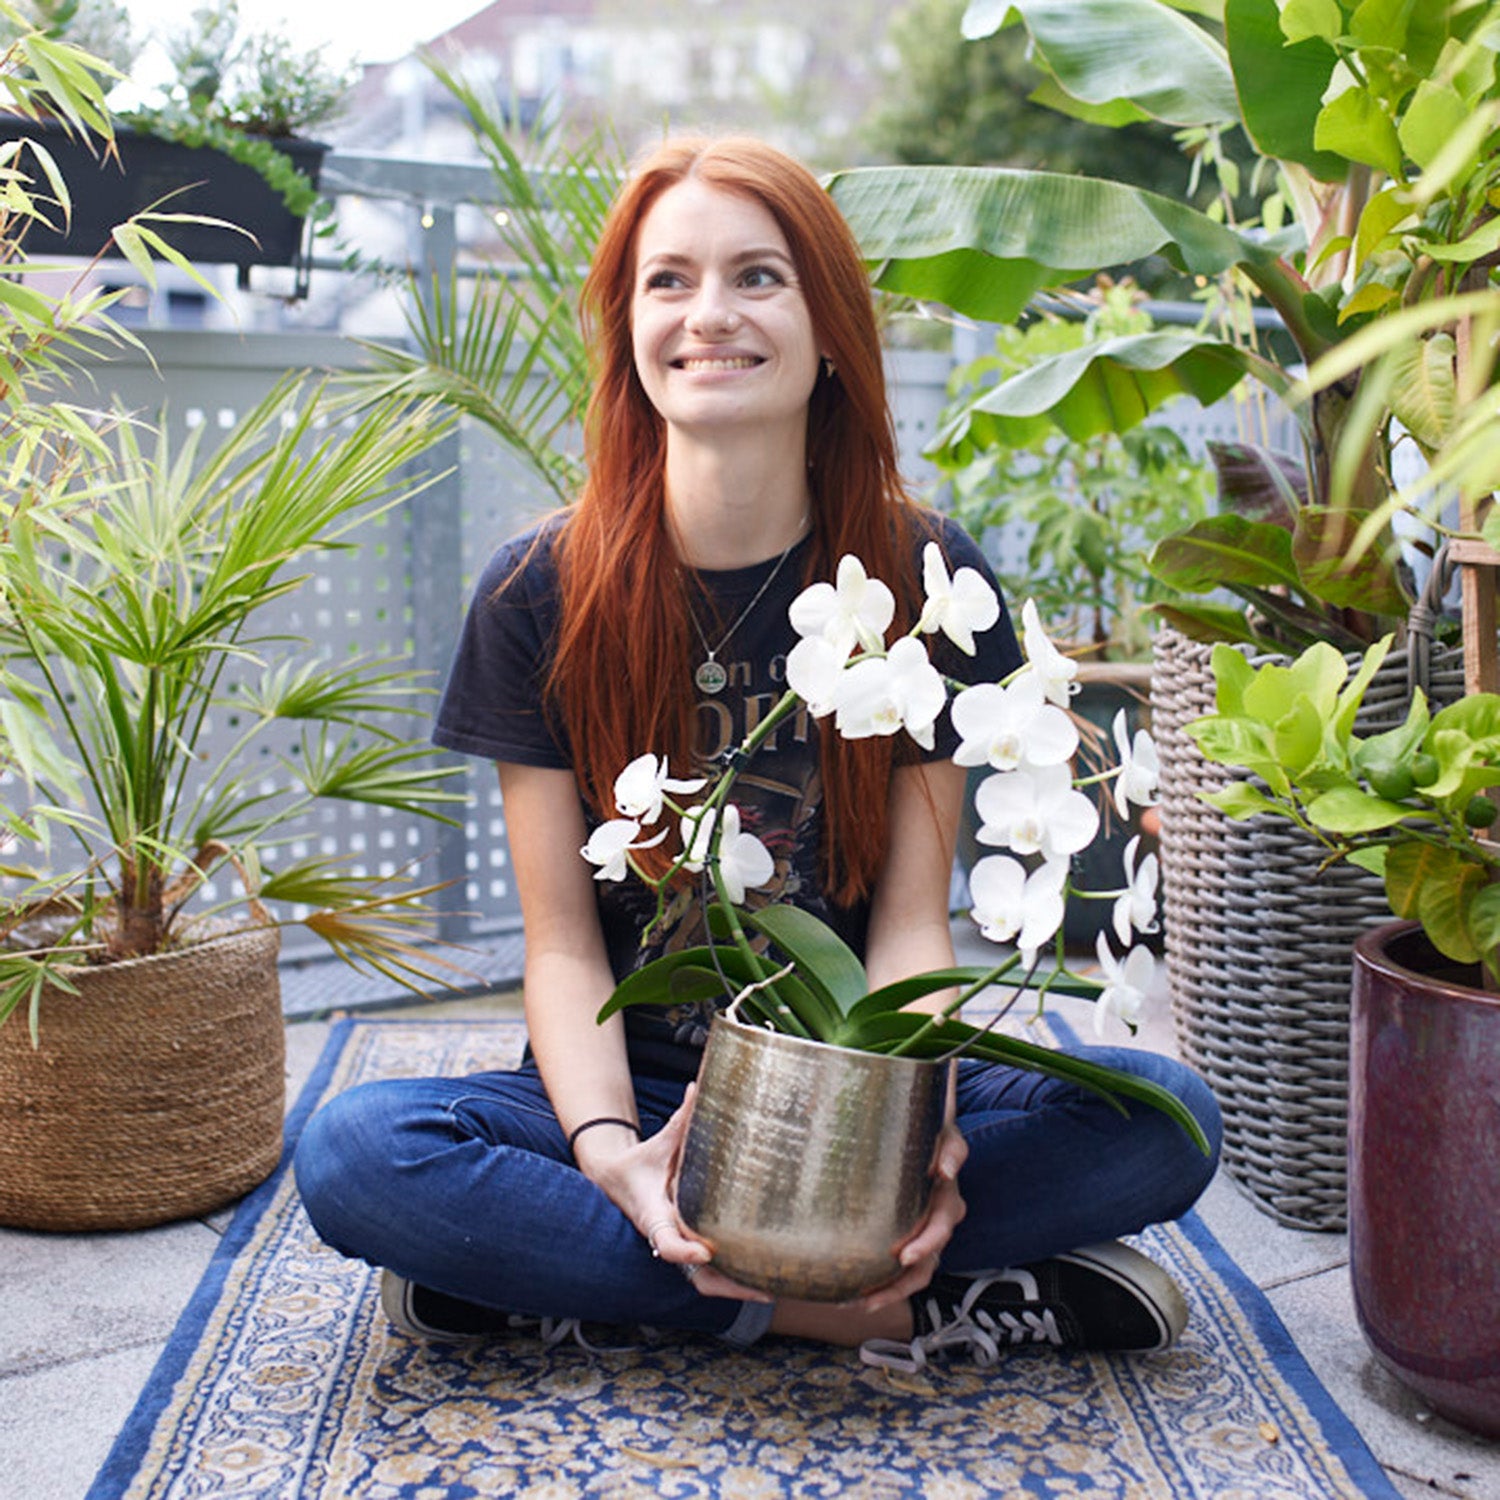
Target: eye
x=757, y=277
x=663, y=281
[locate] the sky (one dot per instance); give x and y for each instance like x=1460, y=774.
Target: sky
x=357, y=30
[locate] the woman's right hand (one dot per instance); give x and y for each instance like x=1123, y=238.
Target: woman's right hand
x=640, y=1181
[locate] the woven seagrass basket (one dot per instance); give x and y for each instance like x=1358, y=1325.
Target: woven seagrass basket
x=1259, y=945
x=157, y=1092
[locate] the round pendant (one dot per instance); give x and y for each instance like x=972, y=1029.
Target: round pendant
x=710, y=677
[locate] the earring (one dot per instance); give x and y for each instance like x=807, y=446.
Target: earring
x=829, y=368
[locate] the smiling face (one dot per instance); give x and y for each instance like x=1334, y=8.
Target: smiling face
x=720, y=330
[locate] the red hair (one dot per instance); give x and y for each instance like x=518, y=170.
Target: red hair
x=622, y=677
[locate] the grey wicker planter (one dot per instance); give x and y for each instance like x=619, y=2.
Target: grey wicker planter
x=1259, y=949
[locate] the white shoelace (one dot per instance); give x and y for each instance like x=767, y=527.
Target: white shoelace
x=979, y=1333
x=554, y=1331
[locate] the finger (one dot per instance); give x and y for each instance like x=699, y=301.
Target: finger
x=711, y=1283
x=911, y=1281
x=952, y=1153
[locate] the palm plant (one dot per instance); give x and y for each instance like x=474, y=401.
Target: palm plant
x=134, y=582
x=1380, y=123
x=507, y=351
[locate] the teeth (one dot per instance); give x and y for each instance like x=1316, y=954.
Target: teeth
x=743, y=362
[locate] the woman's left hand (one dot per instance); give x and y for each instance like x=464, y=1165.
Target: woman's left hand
x=921, y=1251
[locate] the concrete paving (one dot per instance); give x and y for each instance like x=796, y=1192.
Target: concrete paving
x=85, y=1317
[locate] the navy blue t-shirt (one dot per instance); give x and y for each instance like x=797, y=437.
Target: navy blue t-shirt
x=494, y=706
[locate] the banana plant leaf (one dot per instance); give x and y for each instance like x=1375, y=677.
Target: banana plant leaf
x=1108, y=386
x=1108, y=52
x=982, y=240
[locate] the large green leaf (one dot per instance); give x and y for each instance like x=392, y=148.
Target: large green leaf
x=1280, y=87
x=1340, y=573
x=1109, y=386
x=1223, y=550
x=1104, y=51
x=982, y=240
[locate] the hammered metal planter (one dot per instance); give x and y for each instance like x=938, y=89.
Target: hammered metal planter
x=806, y=1164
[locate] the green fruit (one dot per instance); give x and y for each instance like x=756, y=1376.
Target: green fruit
x=1424, y=769
x=1480, y=812
x=1394, y=783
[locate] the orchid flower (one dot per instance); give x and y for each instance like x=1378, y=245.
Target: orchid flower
x=610, y=844
x=815, y=672
x=958, y=606
x=855, y=609
x=1008, y=901
x=1035, y=811
x=1135, y=908
x=1139, y=767
x=744, y=862
x=1058, y=672
x=1011, y=727
x=642, y=786
x=1125, y=984
x=881, y=694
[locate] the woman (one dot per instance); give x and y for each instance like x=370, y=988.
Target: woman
x=739, y=445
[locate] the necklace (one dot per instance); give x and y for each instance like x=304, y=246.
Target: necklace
x=710, y=675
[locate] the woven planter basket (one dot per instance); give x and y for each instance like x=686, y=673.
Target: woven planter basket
x=157, y=1092
x=1259, y=946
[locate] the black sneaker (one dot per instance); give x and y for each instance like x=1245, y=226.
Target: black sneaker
x=421, y=1313
x=1103, y=1297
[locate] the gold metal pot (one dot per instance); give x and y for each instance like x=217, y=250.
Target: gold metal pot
x=806, y=1164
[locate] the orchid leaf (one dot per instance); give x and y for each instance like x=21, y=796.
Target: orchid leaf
x=823, y=959
x=651, y=984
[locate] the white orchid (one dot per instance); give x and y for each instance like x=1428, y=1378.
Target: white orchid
x=610, y=844
x=1036, y=811
x=958, y=606
x=1125, y=984
x=1140, y=770
x=1135, y=908
x=882, y=694
x=1058, y=672
x=744, y=862
x=1010, y=903
x=815, y=672
x=641, y=788
x=1012, y=726
x=857, y=609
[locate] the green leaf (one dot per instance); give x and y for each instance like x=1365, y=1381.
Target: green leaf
x=1280, y=86
x=1379, y=218
x=1483, y=242
x=1103, y=51
x=1410, y=867
x=1347, y=809
x=1355, y=126
x=1301, y=19
x=1380, y=25
x=1476, y=717
x=652, y=983
x=820, y=954
x=982, y=240
x=1240, y=800
x=1225, y=550
x=1443, y=911
x=1233, y=673
x=1207, y=622
x=1484, y=918
x=1353, y=693
x=1424, y=395
x=1372, y=859
x=1107, y=386
x=1334, y=570
x=1435, y=113
x=896, y=996
x=1298, y=738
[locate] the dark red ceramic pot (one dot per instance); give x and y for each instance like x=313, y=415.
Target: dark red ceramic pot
x=1424, y=1172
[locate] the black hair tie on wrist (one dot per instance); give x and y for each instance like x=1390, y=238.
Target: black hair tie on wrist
x=602, y=1120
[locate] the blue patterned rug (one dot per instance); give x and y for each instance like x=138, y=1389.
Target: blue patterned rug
x=284, y=1380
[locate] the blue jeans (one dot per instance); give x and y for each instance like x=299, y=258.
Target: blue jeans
x=466, y=1186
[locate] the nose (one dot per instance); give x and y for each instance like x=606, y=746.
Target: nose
x=712, y=311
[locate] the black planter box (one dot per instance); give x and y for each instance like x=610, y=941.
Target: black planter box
x=200, y=179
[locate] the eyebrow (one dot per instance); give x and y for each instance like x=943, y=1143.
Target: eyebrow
x=754, y=253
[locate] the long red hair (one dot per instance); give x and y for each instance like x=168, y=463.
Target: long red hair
x=622, y=676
